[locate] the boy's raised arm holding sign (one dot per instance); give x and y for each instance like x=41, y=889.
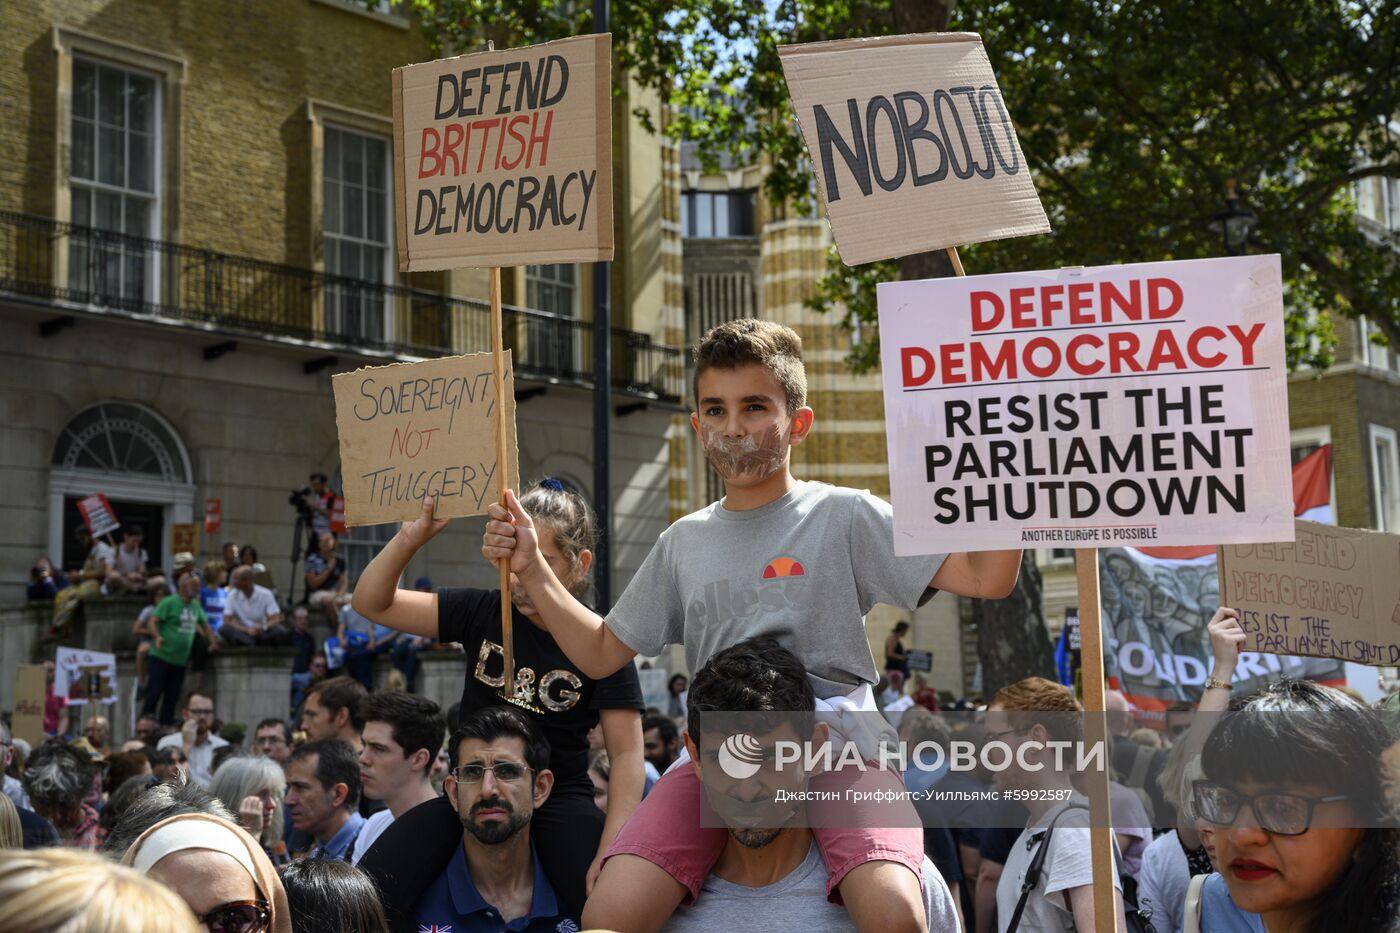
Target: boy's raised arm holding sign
x=798, y=560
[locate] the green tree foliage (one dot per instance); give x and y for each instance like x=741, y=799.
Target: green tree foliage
x=1132, y=115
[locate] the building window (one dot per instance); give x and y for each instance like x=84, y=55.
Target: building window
x=1374, y=351
x=711, y=214
x=1385, y=477
x=552, y=289
x=358, y=244
x=113, y=181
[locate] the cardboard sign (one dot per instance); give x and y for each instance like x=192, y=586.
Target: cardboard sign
x=184, y=537
x=1141, y=405
x=919, y=660
x=98, y=515
x=213, y=516
x=505, y=158
x=1331, y=593
x=82, y=675
x=911, y=144
x=28, y=722
x=415, y=429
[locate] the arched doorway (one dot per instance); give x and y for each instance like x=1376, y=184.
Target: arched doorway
x=133, y=456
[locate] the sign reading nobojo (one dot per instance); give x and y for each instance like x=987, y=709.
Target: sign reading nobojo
x=910, y=128
x=1140, y=404
x=504, y=158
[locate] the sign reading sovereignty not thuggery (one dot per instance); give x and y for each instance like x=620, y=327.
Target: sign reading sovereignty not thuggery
x=911, y=144
x=1141, y=405
x=504, y=158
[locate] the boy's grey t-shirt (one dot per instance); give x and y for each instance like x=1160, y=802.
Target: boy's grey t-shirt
x=797, y=903
x=805, y=568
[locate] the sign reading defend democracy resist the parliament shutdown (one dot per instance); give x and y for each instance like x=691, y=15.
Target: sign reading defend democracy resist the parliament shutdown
x=504, y=158
x=1331, y=593
x=1139, y=404
x=409, y=430
x=913, y=128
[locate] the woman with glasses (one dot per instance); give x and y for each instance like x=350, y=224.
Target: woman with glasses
x=218, y=870
x=1293, y=785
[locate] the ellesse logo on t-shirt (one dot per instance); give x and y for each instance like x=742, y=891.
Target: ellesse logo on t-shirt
x=783, y=567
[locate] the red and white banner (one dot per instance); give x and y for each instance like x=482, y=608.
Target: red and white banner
x=1139, y=405
x=338, y=515
x=213, y=515
x=98, y=515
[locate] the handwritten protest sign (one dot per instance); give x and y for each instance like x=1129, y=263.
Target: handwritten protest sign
x=82, y=675
x=184, y=537
x=911, y=142
x=415, y=429
x=1141, y=404
x=98, y=514
x=1330, y=593
x=28, y=721
x=505, y=158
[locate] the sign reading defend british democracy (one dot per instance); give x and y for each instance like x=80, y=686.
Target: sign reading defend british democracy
x=1140, y=404
x=504, y=158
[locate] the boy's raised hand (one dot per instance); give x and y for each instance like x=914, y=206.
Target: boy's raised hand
x=423, y=528
x=510, y=535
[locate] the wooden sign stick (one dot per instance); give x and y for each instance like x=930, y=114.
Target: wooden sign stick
x=502, y=479
x=1086, y=565
x=1096, y=730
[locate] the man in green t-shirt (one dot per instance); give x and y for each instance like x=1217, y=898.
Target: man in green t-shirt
x=177, y=619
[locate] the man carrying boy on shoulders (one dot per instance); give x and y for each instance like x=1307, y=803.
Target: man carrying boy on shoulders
x=801, y=561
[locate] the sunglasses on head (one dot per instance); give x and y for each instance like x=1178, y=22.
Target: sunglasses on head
x=237, y=917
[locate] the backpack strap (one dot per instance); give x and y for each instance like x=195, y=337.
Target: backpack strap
x=1037, y=864
x=1142, y=762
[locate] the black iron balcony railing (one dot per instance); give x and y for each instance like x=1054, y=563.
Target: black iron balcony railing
x=153, y=279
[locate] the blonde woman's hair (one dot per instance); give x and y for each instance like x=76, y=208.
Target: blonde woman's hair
x=68, y=891
x=11, y=830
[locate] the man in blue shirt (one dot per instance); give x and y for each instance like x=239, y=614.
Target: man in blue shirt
x=499, y=776
x=323, y=789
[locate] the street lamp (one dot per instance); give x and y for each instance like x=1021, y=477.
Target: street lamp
x=1234, y=223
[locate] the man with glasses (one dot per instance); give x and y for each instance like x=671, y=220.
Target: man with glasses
x=272, y=740
x=195, y=739
x=499, y=777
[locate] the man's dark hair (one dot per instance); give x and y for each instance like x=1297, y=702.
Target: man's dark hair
x=330, y=896
x=664, y=726
x=494, y=722
x=417, y=722
x=185, y=703
x=756, y=675
x=279, y=723
x=159, y=803
x=135, y=531
x=337, y=693
x=336, y=763
x=321, y=476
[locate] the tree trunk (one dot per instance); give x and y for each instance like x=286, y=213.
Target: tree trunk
x=1012, y=641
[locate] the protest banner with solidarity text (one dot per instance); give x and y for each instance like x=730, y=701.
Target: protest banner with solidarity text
x=411, y=430
x=1327, y=592
x=1140, y=404
x=504, y=158
x=911, y=143
x=81, y=675
x=98, y=514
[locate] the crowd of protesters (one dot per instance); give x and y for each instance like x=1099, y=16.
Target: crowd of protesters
x=553, y=799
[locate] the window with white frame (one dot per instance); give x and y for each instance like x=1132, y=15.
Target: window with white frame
x=114, y=181
x=1385, y=478
x=553, y=289
x=357, y=208
x=1373, y=351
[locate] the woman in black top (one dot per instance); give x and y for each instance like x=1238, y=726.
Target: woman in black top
x=571, y=834
x=895, y=658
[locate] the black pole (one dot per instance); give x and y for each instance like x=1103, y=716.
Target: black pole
x=602, y=403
